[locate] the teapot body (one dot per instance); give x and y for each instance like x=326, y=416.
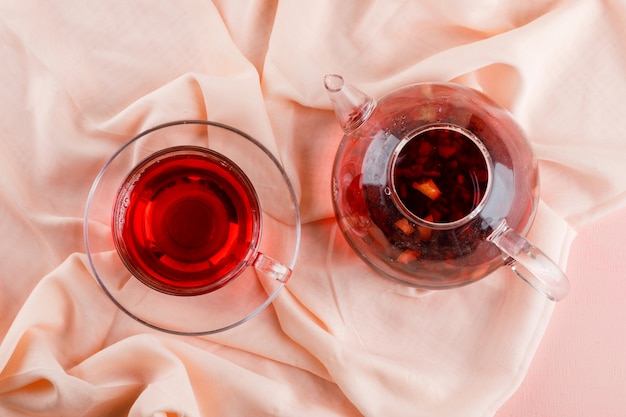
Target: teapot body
x=420, y=245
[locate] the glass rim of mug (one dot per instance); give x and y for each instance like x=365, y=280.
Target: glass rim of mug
x=144, y=275
x=97, y=257
x=391, y=168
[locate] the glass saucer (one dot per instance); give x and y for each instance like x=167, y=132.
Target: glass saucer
x=240, y=298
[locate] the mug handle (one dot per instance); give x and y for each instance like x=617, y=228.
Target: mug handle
x=530, y=263
x=271, y=267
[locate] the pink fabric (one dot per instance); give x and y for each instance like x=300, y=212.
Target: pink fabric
x=579, y=368
x=81, y=78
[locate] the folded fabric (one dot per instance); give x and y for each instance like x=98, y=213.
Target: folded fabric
x=82, y=78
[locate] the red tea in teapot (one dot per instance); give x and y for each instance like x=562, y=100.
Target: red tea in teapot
x=186, y=221
x=438, y=181
x=440, y=175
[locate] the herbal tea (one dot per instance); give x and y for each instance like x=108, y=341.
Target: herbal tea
x=186, y=221
x=440, y=175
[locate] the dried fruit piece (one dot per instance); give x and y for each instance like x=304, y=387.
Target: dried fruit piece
x=404, y=225
x=428, y=188
x=446, y=151
x=425, y=149
x=408, y=256
x=426, y=232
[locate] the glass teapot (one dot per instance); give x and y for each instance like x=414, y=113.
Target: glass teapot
x=435, y=185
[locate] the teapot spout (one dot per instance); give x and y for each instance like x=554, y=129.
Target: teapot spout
x=352, y=106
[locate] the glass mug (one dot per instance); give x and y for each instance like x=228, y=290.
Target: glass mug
x=204, y=227
x=436, y=185
x=187, y=220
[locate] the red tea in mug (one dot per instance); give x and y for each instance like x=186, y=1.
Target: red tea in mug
x=186, y=221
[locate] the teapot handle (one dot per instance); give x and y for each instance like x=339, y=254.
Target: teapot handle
x=530, y=263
